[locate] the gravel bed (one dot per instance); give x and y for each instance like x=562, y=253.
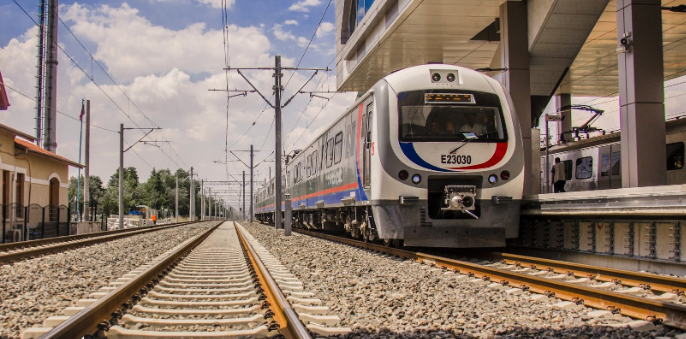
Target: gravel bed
x=32, y=290
x=383, y=297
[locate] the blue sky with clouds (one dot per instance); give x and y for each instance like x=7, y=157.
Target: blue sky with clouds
x=164, y=56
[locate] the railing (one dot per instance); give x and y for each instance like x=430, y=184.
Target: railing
x=20, y=223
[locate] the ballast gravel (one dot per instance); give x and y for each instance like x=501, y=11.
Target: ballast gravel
x=32, y=290
x=384, y=297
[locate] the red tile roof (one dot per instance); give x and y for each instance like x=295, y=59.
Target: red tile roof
x=4, y=102
x=23, y=144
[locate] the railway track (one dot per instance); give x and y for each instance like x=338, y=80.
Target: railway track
x=218, y=284
x=610, y=291
x=33, y=248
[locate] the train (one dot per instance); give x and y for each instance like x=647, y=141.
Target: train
x=594, y=163
x=429, y=156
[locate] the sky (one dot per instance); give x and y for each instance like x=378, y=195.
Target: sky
x=152, y=63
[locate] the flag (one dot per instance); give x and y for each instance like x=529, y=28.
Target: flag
x=83, y=111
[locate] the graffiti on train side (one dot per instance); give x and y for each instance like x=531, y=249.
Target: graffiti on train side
x=334, y=177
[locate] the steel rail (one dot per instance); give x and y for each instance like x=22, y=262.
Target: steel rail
x=290, y=325
x=88, y=321
x=628, y=278
x=671, y=314
x=70, y=243
x=40, y=242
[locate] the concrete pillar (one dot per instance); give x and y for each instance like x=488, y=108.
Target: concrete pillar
x=564, y=126
x=514, y=52
x=641, y=93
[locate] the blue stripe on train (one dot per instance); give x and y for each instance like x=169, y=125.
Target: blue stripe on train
x=331, y=198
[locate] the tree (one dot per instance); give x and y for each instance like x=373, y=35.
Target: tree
x=94, y=188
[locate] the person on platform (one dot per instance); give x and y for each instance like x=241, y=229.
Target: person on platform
x=154, y=219
x=472, y=126
x=559, y=176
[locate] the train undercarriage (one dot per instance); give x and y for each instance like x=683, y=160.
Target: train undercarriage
x=357, y=222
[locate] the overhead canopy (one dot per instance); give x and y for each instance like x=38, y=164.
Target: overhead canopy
x=594, y=71
x=579, y=35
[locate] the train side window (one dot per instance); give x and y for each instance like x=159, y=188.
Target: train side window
x=308, y=168
x=338, y=150
x=569, y=165
x=584, y=168
x=675, y=156
x=329, y=153
x=314, y=163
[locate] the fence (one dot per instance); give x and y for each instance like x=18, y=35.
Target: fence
x=31, y=222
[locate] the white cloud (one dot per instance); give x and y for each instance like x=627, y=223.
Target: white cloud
x=324, y=29
x=211, y=3
x=291, y=22
x=302, y=6
x=282, y=35
x=165, y=72
x=122, y=33
x=217, y=3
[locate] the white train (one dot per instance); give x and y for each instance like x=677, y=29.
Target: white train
x=594, y=163
x=431, y=155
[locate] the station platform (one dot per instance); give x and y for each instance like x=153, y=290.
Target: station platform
x=655, y=202
x=644, y=223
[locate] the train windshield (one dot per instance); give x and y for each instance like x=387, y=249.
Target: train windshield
x=424, y=117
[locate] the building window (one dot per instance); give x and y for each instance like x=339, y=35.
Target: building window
x=358, y=9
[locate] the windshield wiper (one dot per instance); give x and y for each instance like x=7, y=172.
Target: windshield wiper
x=469, y=137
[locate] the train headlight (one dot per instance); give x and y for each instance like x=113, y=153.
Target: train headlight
x=450, y=77
x=416, y=179
x=436, y=77
x=505, y=175
x=456, y=201
x=402, y=175
x=492, y=179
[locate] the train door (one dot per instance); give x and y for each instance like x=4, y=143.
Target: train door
x=367, y=148
x=610, y=174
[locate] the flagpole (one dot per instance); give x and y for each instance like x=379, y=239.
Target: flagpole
x=78, y=180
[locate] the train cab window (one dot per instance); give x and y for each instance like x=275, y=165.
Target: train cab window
x=584, y=168
x=338, y=150
x=329, y=153
x=675, y=156
x=425, y=116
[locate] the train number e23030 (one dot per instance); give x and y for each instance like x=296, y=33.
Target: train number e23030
x=456, y=159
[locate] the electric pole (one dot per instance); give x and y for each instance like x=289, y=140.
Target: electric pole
x=192, y=202
x=252, y=198
x=176, y=208
x=278, y=88
x=243, y=195
x=121, y=165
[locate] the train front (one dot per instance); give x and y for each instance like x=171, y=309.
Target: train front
x=451, y=164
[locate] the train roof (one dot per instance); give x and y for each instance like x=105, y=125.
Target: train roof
x=671, y=126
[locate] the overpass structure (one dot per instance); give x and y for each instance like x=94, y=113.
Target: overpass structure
x=541, y=50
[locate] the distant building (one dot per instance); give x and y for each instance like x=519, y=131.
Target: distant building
x=30, y=174
x=4, y=102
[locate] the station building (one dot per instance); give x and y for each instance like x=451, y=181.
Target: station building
x=29, y=174
x=541, y=50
